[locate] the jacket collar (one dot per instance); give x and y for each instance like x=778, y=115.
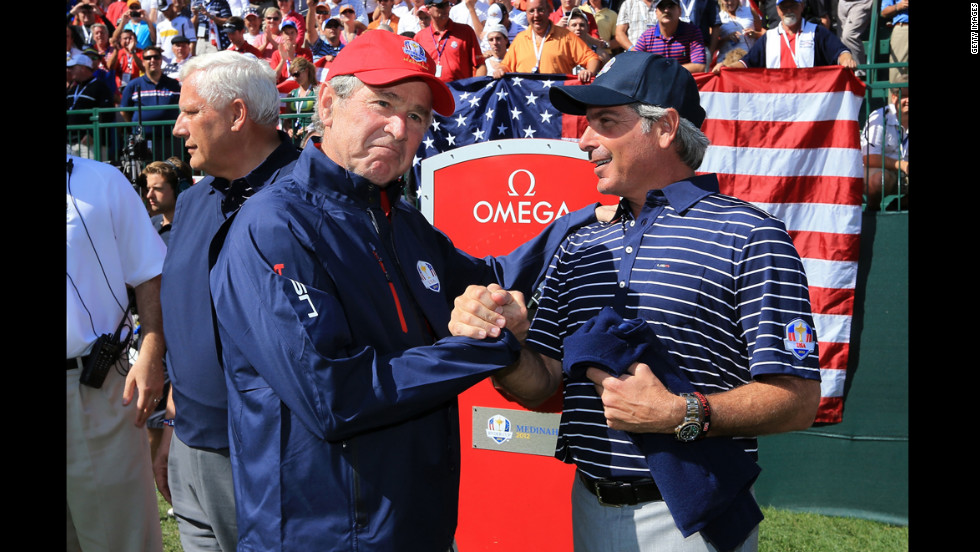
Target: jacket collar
x=318, y=173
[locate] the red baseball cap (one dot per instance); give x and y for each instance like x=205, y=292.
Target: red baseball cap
x=380, y=58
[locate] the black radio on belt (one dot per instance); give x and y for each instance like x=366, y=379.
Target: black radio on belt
x=106, y=351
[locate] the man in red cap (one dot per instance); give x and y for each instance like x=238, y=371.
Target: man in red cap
x=332, y=297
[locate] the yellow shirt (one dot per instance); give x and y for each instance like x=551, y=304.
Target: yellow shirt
x=561, y=52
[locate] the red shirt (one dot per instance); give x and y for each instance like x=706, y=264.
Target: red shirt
x=456, y=50
x=248, y=49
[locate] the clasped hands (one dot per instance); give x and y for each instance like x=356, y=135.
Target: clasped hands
x=636, y=402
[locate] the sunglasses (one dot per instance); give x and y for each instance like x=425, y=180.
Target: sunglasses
x=273, y=18
x=151, y=57
x=296, y=74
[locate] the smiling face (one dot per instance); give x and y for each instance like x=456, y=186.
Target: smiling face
x=100, y=36
x=537, y=15
x=376, y=131
x=624, y=157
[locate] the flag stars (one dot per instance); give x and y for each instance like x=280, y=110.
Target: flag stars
x=489, y=114
x=546, y=116
x=529, y=132
x=515, y=113
x=531, y=98
x=461, y=120
x=478, y=134
x=502, y=129
x=501, y=94
x=428, y=143
x=435, y=125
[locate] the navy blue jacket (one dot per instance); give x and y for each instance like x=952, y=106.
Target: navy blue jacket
x=200, y=395
x=342, y=375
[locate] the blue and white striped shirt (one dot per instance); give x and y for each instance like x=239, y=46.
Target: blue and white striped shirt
x=717, y=278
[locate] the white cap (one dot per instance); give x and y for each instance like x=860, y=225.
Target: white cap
x=495, y=28
x=80, y=59
x=493, y=14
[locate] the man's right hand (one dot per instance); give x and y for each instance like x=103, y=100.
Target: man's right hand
x=483, y=311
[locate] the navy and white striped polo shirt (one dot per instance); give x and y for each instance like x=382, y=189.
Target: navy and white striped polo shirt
x=716, y=277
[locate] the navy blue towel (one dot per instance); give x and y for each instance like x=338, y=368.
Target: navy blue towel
x=706, y=484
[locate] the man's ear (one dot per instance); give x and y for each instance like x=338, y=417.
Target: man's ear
x=239, y=114
x=668, y=125
x=325, y=104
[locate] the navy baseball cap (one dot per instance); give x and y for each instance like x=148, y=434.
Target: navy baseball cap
x=635, y=77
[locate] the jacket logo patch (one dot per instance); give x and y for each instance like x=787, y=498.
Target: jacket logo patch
x=799, y=338
x=428, y=275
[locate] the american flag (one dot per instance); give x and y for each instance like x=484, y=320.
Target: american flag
x=516, y=106
x=786, y=140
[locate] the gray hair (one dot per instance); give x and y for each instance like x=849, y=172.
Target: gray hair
x=691, y=142
x=221, y=77
x=343, y=86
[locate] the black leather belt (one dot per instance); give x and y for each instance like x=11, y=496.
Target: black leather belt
x=622, y=493
x=73, y=362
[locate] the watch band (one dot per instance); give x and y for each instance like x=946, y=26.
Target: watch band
x=693, y=425
x=705, y=413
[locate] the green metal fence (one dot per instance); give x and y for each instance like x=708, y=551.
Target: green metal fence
x=877, y=48
x=118, y=142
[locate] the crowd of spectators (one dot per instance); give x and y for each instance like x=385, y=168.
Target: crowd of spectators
x=465, y=38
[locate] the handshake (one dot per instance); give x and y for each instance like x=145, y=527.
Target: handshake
x=484, y=311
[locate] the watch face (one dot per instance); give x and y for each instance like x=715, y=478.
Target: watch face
x=689, y=431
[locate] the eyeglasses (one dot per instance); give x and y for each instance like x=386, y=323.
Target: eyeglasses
x=296, y=74
x=152, y=57
x=273, y=18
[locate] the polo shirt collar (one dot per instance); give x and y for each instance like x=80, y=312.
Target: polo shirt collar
x=681, y=195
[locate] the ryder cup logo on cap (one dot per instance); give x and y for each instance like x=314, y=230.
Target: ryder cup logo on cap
x=428, y=274
x=498, y=429
x=799, y=338
x=415, y=51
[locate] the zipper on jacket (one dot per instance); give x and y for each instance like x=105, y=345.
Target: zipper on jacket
x=391, y=284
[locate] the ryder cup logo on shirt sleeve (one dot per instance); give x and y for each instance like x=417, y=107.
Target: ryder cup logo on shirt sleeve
x=428, y=274
x=799, y=338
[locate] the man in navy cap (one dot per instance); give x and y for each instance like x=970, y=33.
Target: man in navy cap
x=711, y=333
x=332, y=297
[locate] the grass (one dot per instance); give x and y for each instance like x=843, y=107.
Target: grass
x=782, y=531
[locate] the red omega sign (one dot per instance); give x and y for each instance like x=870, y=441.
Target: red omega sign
x=489, y=198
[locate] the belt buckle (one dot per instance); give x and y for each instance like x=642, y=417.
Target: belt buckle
x=598, y=493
